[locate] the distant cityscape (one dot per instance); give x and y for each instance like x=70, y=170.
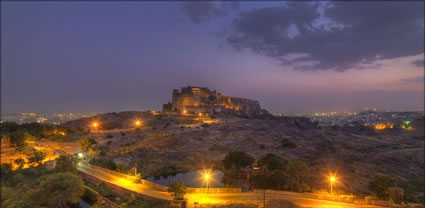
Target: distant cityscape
x=51, y=118
x=368, y=116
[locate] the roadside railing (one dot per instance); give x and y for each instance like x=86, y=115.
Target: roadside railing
x=159, y=187
x=214, y=190
x=128, y=177
x=339, y=198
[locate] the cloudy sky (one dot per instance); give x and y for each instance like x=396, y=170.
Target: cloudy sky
x=291, y=56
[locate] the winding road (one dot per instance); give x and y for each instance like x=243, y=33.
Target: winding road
x=302, y=200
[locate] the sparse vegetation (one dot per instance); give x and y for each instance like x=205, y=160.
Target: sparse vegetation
x=286, y=143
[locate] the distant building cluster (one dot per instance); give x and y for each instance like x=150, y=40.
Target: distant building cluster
x=56, y=118
x=367, y=117
x=200, y=100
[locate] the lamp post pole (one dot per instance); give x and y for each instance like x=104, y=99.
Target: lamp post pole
x=264, y=191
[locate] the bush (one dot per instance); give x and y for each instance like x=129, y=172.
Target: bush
x=90, y=195
x=380, y=185
x=286, y=143
x=109, y=136
x=413, y=189
x=111, y=125
x=104, y=163
x=205, y=125
x=122, y=133
x=103, y=190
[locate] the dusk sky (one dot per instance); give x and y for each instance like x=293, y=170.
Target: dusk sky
x=292, y=57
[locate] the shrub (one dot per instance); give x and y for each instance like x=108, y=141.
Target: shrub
x=380, y=185
x=205, y=125
x=104, y=163
x=111, y=125
x=286, y=143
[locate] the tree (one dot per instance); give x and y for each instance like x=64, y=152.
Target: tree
x=177, y=190
x=237, y=159
x=297, y=172
x=273, y=162
x=230, y=177
x=36, y=157
x=60, y=189
x=20, y=162
x=17, y=138
x=380, y=185
x=86, y=143
x=66, y=164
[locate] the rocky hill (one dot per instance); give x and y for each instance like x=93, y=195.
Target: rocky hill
x=188, y=143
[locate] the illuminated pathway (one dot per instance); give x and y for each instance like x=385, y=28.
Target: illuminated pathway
x=222, y=198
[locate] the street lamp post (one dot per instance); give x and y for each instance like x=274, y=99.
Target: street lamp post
x=264, y=190
x=332, y=179
x=264, y=186
x=207, y=178
x=137, y=123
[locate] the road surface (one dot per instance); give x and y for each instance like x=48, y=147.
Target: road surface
x=219, y=198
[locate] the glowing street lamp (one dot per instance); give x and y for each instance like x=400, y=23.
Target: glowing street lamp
x=80, y=155
x=207, y=179
x=138, y=123
x=332, y=180
x=95, y=124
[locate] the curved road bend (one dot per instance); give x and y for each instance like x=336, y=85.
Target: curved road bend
x=251, y=197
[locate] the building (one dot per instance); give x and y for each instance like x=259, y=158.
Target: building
x=201, y=100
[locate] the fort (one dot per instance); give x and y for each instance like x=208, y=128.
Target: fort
x=201, y=100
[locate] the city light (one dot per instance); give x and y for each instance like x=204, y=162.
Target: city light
x=80, y=155
x=384, y=126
